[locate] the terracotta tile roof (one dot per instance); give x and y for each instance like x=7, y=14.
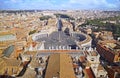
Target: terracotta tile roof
x=8, y=63
x=100, y=67
x=116, y=69
x=94, y=53
x=82, y=59
x=11, y=62
x=89, y=73
x=75, y=66
x=34, y=63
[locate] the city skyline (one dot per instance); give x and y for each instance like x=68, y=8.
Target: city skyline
x=60, y=4
x=59, y=43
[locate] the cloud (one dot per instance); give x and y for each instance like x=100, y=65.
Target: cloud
x=102, y=4
x=37, y=4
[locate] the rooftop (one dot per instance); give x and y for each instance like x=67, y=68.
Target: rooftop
x=8, y=51
x=89, y=73
x=113, y=46
x=60, y=66
x=7, y=37
x=8, y=62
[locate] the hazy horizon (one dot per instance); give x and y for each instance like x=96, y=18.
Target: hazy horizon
x=60, y=5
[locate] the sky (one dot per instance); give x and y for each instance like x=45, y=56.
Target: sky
x=60, y=4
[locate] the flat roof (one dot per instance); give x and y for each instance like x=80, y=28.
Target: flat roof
x=60, y=66
x=7, y=37
x=8, y=51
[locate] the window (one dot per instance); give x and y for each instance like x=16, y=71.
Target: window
x=101, y=76
x=92, y=59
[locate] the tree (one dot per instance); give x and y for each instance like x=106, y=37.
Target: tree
x=32, y=32
x=45, y=17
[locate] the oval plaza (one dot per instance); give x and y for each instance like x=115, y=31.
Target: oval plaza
x=62, y=40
